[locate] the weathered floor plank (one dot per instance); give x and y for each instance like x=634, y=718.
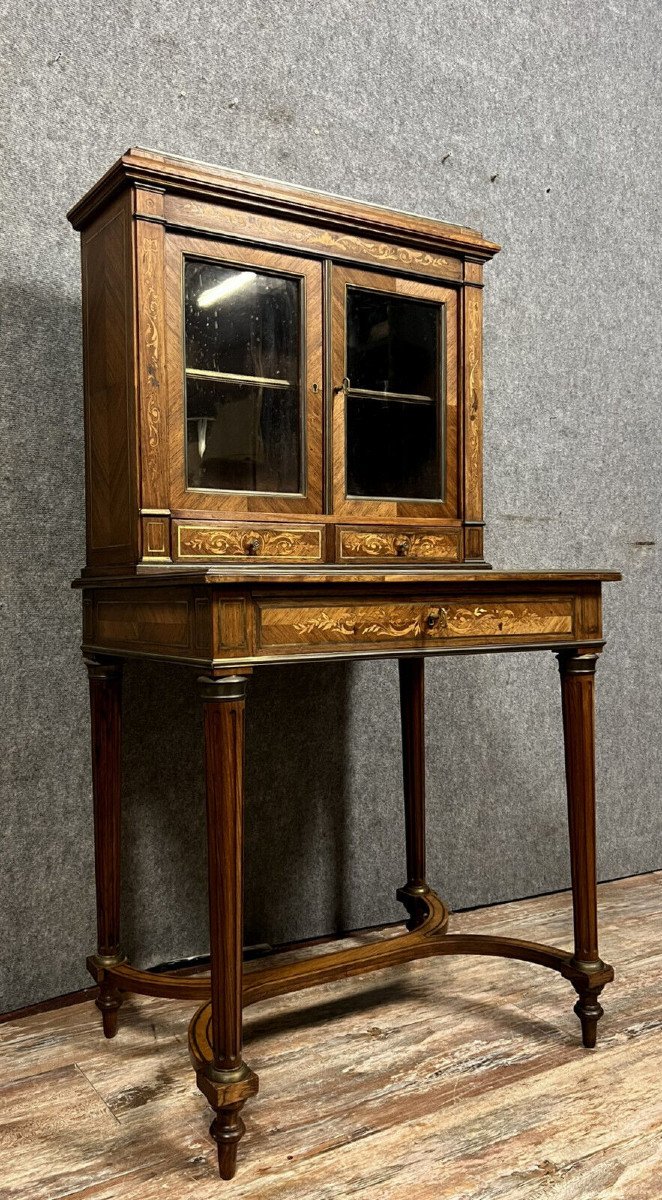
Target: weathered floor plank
x=454, y=1079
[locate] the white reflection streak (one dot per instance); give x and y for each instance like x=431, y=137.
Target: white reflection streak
x=202, y=436
x=226, y=288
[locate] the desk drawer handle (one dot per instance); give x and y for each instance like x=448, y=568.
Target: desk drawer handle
x=403, y=546
x=434, y=617
x=252, y=545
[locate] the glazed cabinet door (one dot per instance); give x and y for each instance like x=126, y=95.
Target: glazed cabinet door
x=394, y=397
x=244, y=335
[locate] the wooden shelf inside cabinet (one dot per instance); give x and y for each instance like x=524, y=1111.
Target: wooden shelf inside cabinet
x=284, y=464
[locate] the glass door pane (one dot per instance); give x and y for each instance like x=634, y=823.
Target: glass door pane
x=243, y=367
x=394, y=396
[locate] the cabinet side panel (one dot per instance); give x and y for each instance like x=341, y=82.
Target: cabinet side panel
x=110, y=445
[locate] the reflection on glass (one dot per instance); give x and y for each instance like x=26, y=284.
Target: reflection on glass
x=393, y=396
x=243, y=394
x=392, y=449
x=392, y=343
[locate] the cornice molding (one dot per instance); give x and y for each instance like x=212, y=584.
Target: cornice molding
x=151, y=169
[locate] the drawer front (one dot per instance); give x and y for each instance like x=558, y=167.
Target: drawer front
x=252, y=541
x=407, y=622
x=356, y=543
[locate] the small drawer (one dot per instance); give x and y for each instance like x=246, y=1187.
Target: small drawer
x=308, y=626
x=397, y=544
x=247, y=542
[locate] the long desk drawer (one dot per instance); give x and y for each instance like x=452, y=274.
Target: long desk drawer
x=289, y=624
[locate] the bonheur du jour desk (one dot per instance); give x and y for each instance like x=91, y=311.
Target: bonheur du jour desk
x=283, y=424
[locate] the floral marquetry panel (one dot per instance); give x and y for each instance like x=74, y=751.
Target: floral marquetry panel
x=411, y=544
x=292, y=235
x=296, y=543
x=416, y=622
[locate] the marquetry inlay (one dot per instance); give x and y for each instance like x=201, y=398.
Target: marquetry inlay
x=296, y=543
x=415, y=545
x=156, y=538
x=193, y=213
x=347, y=624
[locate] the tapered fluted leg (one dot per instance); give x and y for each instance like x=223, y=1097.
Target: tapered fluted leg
x=412, y=715
x=226, y=1081
x=577, y=690
x=105, y=678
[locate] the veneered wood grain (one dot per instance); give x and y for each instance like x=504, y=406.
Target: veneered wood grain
x=109, y=363
x=365, y=576
x=473, y=544
x=156, y=539
x=231, y=628
x=473, y=272
x=166, y=624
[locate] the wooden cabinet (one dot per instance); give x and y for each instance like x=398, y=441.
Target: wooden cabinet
x=255, y=351
x=283, y=414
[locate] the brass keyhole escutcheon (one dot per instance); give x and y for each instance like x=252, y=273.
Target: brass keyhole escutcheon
x=434, y=617
x=252, y=546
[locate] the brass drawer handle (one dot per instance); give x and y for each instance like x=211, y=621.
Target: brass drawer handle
x=403, y=545
x=252, y=545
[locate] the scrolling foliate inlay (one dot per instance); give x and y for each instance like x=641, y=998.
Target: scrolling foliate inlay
x=248, y=542
x=153, y=390
x=355, y=544
x=287, y=233
x=473, y=400
x=341, y=624
x=495, y=619
x=351, y=624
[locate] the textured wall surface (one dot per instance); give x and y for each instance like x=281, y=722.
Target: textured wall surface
x=539, y=124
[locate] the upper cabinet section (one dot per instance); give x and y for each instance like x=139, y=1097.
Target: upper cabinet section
x=258, y=354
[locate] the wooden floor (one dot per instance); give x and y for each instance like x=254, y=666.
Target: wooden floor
x=458, y=1078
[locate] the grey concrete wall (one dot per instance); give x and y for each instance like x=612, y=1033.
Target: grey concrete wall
x=540, y=124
